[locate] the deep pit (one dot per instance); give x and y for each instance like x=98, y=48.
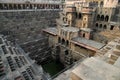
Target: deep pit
x=25, y=28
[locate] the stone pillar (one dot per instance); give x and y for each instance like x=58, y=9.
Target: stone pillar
x=30, y=6
x=34, y=6
x=49, y=6
x=8, y=6
x=37, y=5
x=17, y=6
x=3, y=6
x=46, y=6
x=56, y=6
x=42, y=6
x=25, y=6
x=12, y=6
x=21, y=6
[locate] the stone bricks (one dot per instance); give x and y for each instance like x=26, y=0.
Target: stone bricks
x=27, y=25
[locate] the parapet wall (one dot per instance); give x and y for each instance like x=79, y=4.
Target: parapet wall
x=26, y=25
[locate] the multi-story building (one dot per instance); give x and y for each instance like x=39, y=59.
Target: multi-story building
x=105, y=14
x=71, y=39
x=107, y=21
x=74, y=37
x=105, y=65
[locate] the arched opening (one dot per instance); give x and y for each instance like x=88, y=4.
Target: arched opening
x=100, y=26
x=105, y=27
x=30, y=6
x=80, y=16
x=27, y=6
x=76, y=15
x=83, y=34
x=59, y=40
x=106, y=18
x=112, y=27
x=96, y=24
x=63, y=19
x=15, y=6
x=102, y=18
x=5, y=6
x=96, y=3
x=53, y=6
x=48, y=6
x=10, y=6
x=39, y=6
x=57, y=49
x=1, y=6
x=63, y=41
x=23, y=6
x=67, y=43
x=43, y=6
x=19, y=6
x=98, y=17
x=66, y=52
x=33, y=6
x=69, y=22
x=101, y=4
x=58, y=6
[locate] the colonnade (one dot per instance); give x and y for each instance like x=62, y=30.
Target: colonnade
x=28, y=6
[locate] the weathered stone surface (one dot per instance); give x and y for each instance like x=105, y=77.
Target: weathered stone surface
x=26, y=26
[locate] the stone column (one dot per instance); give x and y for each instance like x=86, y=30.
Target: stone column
x=21, y=6
x=8, y=6
x=25, y=6
x=17, y=6
x=30, y=6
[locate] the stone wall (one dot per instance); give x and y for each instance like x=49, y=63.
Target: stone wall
x=26, y=25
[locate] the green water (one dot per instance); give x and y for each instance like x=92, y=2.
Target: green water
x=53, y=67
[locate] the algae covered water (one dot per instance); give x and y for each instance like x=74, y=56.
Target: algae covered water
x=53, y=67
